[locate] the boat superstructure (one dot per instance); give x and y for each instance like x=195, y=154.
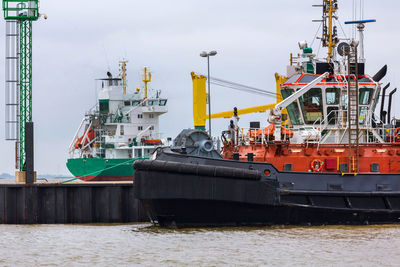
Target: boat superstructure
x=121, y=128
x=324, y=158
x=331, y=124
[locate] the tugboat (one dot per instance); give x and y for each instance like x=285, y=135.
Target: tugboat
x=120, y=129
x=325, y=157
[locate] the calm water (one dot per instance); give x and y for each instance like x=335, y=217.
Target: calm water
x=145, y=245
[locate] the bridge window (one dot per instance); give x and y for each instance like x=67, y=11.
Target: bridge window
x=311, y=105
x=135, y=103
x=332, y=96
x=362, y=114
x=163, y=102
x=365, y=96
x=293, y=108
x=153, y=102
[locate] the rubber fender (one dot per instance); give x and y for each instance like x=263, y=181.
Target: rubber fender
x=196, y=169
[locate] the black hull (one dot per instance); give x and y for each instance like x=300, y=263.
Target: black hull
x=191, y=213
x=182, y=190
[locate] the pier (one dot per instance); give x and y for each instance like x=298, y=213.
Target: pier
x=78, y=202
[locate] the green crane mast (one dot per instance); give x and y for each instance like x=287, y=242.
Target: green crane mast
x=22, y=13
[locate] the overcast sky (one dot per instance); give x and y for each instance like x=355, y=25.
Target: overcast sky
x=81, y=40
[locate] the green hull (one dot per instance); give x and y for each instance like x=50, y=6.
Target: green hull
x=99, y=169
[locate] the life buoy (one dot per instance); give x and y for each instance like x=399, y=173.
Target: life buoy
x=316, y=165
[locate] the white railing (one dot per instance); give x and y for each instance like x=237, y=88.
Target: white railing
x=260, y=136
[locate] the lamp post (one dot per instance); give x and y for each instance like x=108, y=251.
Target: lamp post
x=208, y=55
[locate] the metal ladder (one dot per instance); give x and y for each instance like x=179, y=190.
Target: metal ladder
x=353, y=111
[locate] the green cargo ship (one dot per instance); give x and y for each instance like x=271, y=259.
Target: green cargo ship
x=120, y=129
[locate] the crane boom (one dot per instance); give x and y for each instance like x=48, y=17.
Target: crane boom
x=230, y=114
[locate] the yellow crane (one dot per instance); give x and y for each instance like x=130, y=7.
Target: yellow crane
x=200, y=102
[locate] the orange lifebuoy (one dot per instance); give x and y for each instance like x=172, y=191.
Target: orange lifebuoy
x=316, y=165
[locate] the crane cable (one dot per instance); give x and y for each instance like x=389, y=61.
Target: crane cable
x=240, y=87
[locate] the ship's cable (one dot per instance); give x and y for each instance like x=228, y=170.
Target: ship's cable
x=240, y=87
x=109, y=168
x=315, y=37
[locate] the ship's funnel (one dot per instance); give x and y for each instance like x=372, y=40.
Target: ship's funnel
x=380, y=74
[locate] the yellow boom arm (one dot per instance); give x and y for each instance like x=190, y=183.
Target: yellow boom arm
x=229, y=114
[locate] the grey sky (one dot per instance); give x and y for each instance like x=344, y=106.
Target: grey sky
x=81, y=40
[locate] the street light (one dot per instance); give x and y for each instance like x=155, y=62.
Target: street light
x=208, y=55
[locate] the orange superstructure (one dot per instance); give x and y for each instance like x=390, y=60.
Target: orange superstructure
x=299, y=158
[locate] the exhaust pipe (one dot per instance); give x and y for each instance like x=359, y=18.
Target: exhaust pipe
x=382, y=115
x=390, y=104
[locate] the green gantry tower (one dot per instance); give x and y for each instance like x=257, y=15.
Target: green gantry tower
x=19, y=15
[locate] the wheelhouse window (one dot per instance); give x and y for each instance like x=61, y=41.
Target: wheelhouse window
x=127, y=103
x=163, y=102
x=344, y=101
x=135, y=103
x=153, y=102
x=332, y=96
x=362, y=115
x=365, y=96
x=293, y=108
x=311, y=105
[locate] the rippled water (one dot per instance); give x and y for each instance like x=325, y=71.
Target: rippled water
x=145, y=245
